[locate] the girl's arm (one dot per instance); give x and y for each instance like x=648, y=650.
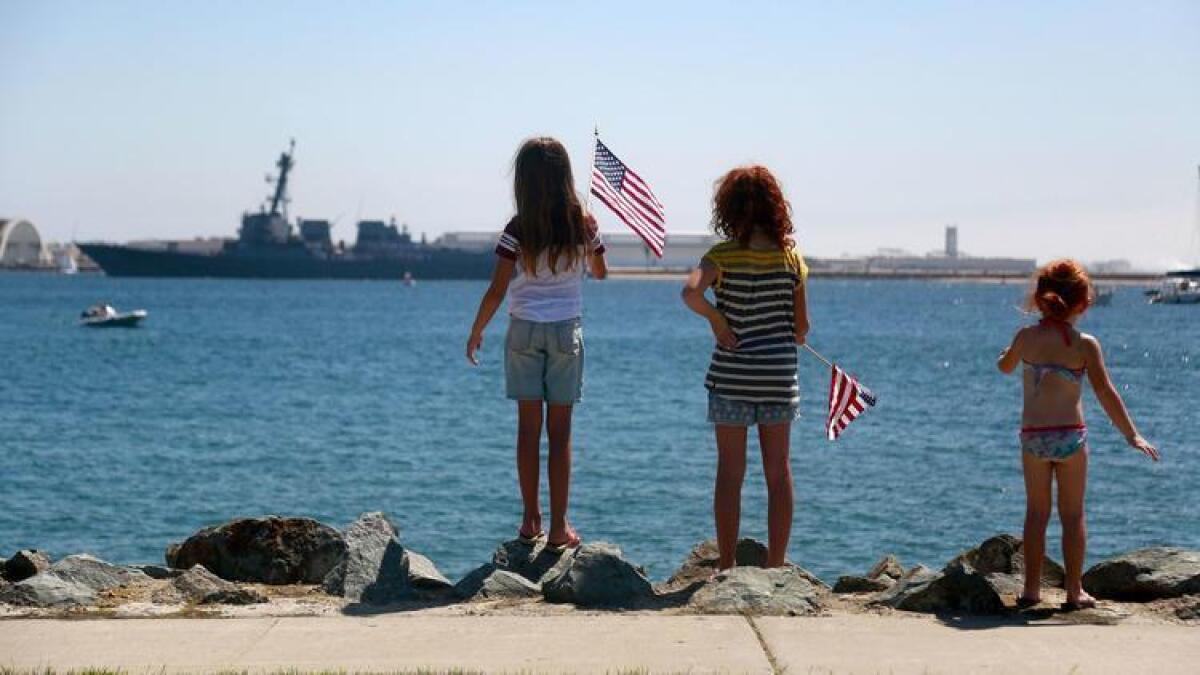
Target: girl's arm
x=800, y=310
x=693, y=296
x=501, y=276
x=1011, y=357
x=1110, y=400
x=597, y=264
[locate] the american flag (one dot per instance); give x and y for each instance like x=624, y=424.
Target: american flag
x=628, y=196
x=847, y=400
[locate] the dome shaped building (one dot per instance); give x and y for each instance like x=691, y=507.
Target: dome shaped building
x=20, y=244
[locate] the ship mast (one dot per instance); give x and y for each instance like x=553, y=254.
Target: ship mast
x=279, y=200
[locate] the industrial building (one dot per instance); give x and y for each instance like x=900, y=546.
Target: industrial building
x=623, y=250
x=21, y=245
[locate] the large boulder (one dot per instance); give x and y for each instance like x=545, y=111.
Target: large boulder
x=24, y=564
x=374, y=569
x=1146, y=574
x=270, y=550
x=74, y=580
x=377, y=570
x=1005, y=554
x=532, y=561
x=976, y=581
x=779, y=591
x=596, y=575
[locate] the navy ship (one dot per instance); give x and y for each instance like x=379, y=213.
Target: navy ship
x=268, y=246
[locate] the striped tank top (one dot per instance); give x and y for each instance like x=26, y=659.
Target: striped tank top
x=755, y=293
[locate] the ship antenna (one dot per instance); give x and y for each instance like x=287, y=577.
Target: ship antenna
x=279, y=200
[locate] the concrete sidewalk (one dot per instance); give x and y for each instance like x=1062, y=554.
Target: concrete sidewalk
x=596, y=644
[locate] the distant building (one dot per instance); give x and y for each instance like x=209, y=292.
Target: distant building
x=21, y=245
x=951, y=241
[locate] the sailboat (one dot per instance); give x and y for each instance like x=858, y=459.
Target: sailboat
x=1182, y=287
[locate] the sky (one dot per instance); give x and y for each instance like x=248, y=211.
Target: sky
x=1041, y=129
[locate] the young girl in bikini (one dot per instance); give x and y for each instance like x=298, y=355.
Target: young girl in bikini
x=1055, y=357
x=542, y=256
x=761, y=314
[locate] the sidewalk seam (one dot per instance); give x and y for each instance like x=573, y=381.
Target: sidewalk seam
x=258, y=640
x=762, y=643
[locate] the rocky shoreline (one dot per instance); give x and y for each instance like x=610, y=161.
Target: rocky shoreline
x=279, y=566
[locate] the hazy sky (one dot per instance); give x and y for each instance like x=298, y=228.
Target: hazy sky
x=1040, y=128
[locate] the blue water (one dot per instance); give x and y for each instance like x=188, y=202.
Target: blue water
x=327, y=399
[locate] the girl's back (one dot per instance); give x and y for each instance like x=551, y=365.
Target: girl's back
x=1053, y=373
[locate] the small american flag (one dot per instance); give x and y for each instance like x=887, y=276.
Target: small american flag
x=628, y=196
x=847, y=400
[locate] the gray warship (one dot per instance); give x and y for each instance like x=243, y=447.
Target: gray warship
x=269, y=246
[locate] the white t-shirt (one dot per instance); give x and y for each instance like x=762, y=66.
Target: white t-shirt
x=544, y=297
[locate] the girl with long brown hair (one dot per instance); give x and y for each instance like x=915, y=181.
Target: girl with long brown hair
x=542, y=256
x=1054, y=442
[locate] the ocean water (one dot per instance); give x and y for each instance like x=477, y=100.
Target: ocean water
x=327, y=399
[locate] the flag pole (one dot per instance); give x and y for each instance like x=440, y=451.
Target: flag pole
x=818, y=355
x=587, y=203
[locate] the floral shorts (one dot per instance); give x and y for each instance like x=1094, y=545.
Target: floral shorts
x=722, y=410
x=1054, y=444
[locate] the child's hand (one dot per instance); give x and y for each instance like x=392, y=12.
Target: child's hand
x=1143, y=446
x=473, y=344
x=722, y=331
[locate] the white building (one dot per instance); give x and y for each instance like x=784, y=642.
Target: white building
x=21, y=245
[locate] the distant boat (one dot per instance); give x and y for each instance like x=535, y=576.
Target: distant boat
x=104, y=315
x=67, y=265
x=1104, y=296
x=408, y=279
x=1177, y=290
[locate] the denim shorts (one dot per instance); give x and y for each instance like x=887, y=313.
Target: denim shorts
x=544, y=361
x=722, y=410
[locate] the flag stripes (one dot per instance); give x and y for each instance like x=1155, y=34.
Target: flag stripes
x=847, y=400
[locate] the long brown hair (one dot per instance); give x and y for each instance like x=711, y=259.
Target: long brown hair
x=549, y=216
x=749, y=197
x=1060, y=288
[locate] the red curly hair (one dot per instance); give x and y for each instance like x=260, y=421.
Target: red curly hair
x=749, y=197
x=1061, y=288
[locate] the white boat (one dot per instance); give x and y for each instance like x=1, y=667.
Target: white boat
x=106, y=316
x=1177, y=291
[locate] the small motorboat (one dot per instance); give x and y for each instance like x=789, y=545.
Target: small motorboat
x=104, y=315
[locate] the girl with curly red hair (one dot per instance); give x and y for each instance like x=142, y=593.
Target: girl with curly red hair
x=1056, y=357
x=761, y=313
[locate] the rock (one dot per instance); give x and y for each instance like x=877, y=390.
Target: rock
x=157, y=571
x=271, y=550
x=1004, y=554
x=74, y=580
x=914, y=581
x=888, y=567
x=702, y=560
x=855, y=584
x=1146, y=574
x=200, y=586
x=487, y=582
x=780, y=591
x=25, y=564
x=375, y=567
x=596, y=575
x=532, y=562
x=1189, y=608
x=422, y=573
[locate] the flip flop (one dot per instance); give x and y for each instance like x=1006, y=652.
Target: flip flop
x=573, y=542
x=1025, y=603
x=1078, y=605
x=531, y=539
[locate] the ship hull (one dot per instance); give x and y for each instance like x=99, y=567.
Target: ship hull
x=432, y=263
